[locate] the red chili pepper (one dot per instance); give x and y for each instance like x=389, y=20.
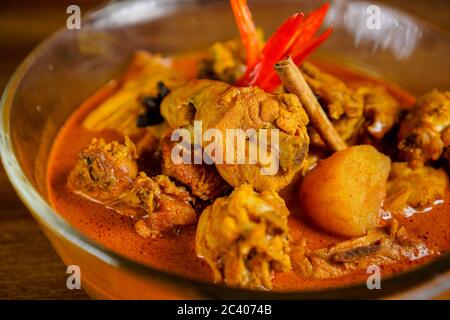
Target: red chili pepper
x=299, y=56
x=276, y=47
x=273, y=81
x=295, y=37
x=310, y=26
x=247, y=30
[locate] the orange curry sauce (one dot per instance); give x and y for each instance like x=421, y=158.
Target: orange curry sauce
x=177, y=253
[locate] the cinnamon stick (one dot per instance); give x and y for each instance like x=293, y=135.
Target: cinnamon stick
x=295, y=83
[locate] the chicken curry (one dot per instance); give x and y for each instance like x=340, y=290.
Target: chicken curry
x=361, y=173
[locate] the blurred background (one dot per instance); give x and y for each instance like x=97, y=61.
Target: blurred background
x=29, y=268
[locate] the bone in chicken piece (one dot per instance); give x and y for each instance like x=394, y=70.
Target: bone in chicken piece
x=424, y=135
x=244, y=238
x=107, y=173
x=410, y=189
x=221, y=106
x=166, y=205
x=354, y=110
x=381, y=110
x=380, y=246
x=203, y=180
x=337, y=97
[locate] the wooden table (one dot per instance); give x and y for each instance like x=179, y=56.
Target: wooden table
x=29, y=267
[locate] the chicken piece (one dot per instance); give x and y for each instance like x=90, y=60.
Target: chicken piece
x=226, y=107
x=244, y=238
x=107, y=173
x=354, y=110
x=120, y=111
x=178, y=108
x=334, y=94
x=414, y=189
x=226, y=62
x=166, y=205
x=425, y=133
x=381, y=110
x=380, y=246
x=220, y=106
x=104, y=171
x=203, y=179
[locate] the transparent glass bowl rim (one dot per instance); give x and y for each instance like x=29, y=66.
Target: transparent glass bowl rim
x=39, y=206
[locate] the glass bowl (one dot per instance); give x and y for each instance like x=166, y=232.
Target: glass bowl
x=70, y=65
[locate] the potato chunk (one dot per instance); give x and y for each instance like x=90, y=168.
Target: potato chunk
x=345, y=192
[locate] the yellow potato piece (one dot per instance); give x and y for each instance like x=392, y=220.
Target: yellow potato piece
x=345, y=192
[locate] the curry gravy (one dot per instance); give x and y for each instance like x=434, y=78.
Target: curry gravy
x=176, y=254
